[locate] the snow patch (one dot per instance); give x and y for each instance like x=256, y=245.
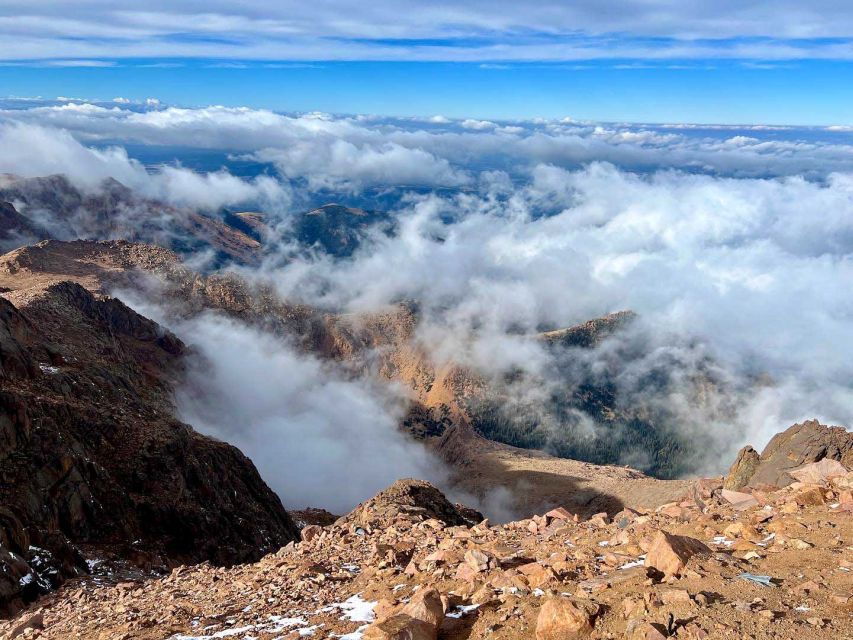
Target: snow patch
x=354, y=608
x=462, y=610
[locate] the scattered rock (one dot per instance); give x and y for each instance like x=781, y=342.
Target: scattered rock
x=669, y=553
x=564, y=619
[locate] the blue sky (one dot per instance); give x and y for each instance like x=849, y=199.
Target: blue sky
x=631, y=60
x=816, y=92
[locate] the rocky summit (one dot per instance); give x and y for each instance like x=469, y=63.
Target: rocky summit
x=407, y=564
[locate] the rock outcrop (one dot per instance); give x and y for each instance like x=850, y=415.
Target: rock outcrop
x=798, y=445
x=13, y=226
x=92, y=461
x=742, y=469
x=415, y=498
x=53, y=207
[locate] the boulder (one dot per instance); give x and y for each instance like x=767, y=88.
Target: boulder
x=739, y=500
x=819, y=472
x=400, y=627
x=419, y=619
x=563, y=618
x=670, y=553
x=642, y=630
x=479, y=561
x=426, y=606
x=310, y=532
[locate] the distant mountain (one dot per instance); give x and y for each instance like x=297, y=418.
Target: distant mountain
x=51, y=207
x=338, y=230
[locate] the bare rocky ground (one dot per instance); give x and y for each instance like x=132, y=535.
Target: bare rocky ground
x=408, y=564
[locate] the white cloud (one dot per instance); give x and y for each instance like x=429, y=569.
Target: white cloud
x=478, y=125
x=749, y=268
x=679, y=224
x=342, y=165
x=32, y=150
x=318, y=437
x=367, y=148
x=475, y=30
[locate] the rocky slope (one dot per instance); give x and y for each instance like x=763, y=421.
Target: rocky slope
x=52, y=207
x=92, y=461
x=445, y=399
x=406, y=565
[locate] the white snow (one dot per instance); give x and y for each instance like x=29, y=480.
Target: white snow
x=462, y=610
x=723, y=541
x=308, y=631
x=219, y=634
x=354, y=608
x=355, y=635
x=634, y=563
x=280, y=623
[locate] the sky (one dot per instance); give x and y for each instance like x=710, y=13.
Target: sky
x=781, y=62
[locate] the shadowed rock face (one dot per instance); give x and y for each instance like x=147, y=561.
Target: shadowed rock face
x=14, y=228
x=336, y=229
x=91, y=457
x=798, y=445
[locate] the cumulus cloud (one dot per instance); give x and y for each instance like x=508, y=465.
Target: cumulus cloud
x=366, y=151
x=342, y=165
x=751, y=268
x=33, y=150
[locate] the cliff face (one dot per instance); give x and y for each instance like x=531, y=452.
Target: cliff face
x=91, y=459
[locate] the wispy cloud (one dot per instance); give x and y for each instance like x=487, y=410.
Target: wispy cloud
x=474, y=30
x=58, y=63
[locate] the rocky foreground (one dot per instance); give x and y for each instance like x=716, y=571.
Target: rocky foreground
x=410, y=565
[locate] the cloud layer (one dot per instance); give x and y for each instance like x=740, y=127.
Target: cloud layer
x=751, y=268
x=473, y=30
x=33, y=150
x=733, y=244
x=350, y=153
